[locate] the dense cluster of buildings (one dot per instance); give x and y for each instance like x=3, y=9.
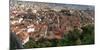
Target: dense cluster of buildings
x=33, y=21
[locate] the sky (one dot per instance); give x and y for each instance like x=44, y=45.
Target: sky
x=83, y=2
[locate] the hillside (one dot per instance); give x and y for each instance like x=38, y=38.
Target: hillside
x=40, y=24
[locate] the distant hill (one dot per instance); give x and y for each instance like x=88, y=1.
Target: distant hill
x=60, y=5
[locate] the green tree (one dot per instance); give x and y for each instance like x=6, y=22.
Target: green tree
x=87, y=36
